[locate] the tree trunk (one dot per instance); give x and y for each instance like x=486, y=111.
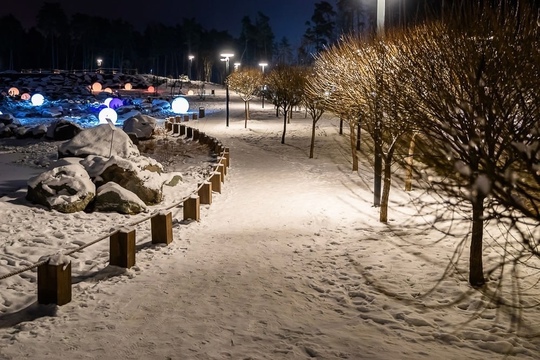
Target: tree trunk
x=383, y=215
x=358, y=135
x=340, y=126
x=284, y=125
x=246, y=113
x=476, y=267
x=312, y=145
x=409, y=166
x=377, y=164
x=352, y=136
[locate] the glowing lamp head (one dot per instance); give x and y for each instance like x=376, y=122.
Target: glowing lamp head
x=96, y=86
x=37, y=99
x=107, y=114
x=115, y=103
x=180, y=105
x=128, y=86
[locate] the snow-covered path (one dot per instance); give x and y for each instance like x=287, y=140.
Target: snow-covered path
x=272, y=271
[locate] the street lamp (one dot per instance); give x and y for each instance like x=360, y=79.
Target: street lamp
x=236, y=65
x=226, y=57
x=99, y=62
x=381, y=9
x=263, y=65
x=190, y=57
x=377, y=162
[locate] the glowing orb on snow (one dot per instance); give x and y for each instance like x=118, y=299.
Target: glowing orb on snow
x=128, y=86
x=25, y=96
x=108, y=90
x=151, y=89
x=115, y=103
x=37, y=99
x=180, y=105
x=107, y=101
x=107, y=113
x=13, y=91
x=190, y=92
x=96, y=86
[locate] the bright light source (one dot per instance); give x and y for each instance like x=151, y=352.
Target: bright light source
x=108, y=90
x=128, y=86
x=227, y=55
x=25, y=96
x=107, y=101
x=13, y=91
x=107, y=114
x=96, y=86
x=180, y=105
x=151, y=89
x=37, y=99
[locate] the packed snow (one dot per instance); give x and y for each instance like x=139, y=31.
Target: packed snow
x=288, y=262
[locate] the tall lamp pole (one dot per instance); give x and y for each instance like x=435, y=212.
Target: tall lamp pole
x=263, y=65
x=226, y=57
x=377, y=163
x=190, y=57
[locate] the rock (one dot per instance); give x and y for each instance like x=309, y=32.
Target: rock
x=39, y=131
x=66, y=189
x=6, y=119
x=5, y=131
x=141, y=176
x=142, y=126
x=113, y=197
x=22, y=132
x=97, y=141
x=62, y=130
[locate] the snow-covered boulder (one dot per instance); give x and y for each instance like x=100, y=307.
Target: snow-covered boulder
x=62, y=130
x=141, y=175
x=142, y=126
x=66, y=189
x=97, y=141
x=39, y=131
x=113, y=197
x=6, y=119
x=5, y=131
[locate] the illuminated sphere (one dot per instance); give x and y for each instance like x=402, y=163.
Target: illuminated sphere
x=107, y=113
x=180, y=105
x=13, y=91
x=128, y=86
x=151, y=89
x=108, y=90
x=107, y=101
x=96, y=86
x=115, y=103
x=37, y=99
x=190, y=92
x=25, y=96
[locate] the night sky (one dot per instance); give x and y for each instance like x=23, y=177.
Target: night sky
x=287, y=17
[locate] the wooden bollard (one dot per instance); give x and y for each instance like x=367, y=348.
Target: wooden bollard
x=176, y=128
x=177, y=119
x=186, y=117
x=205, y=193
x=54, y=283
x=196, y=134
x=122, y=248
x=215, y=180
x=194, y=116
x=182, y=130
x=203, y=138
x=221, y=168
x=161, y=225
x=192, y=208
x=227, y=156
x=189, y=132
x=223, y=161
x=168, y=125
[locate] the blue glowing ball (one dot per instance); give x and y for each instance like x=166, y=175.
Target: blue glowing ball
x=115, y=103
x=180, y=105
x=37, y=99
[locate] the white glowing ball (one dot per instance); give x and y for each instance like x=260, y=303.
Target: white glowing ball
x=96, y=86
x=190, y=92
x=37, y=99
x=180, y=105
x=128, y=86
x=107, y=114
x=107, y=101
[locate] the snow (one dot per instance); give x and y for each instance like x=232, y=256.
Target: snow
x=288, y=262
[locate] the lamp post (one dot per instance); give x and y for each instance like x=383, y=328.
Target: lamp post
x=190, y=57
x=226, y=57
x=377, y=161
x=99, y=62
x=263, y=65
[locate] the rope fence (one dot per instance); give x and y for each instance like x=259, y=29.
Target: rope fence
x=54, y=275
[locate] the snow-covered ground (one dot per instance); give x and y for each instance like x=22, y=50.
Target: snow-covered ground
x=289, y=262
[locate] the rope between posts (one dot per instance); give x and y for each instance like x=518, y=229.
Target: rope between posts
x=82, y=247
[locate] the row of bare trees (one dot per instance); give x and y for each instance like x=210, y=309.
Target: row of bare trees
x=464, y=93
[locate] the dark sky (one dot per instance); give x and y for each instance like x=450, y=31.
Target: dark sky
x=287, y=17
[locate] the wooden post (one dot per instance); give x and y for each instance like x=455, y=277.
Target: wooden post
x=189, y=132
x=161, y=225
x=223, y=161
x=177, y=119
x=54, y=283
x=186, y=117
x=168, y=125
x=122, y=248
x=221, y=168
x=182, y=130
x=176, y=128
x=196, y=134
x=227, y=156
x=194, y=116
x=203, y=138
x=205, y=192
x=215, y=179
x=192, y=208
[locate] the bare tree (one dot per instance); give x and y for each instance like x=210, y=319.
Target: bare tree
x=286, y=88
x=246, y=82
x=314, y=103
